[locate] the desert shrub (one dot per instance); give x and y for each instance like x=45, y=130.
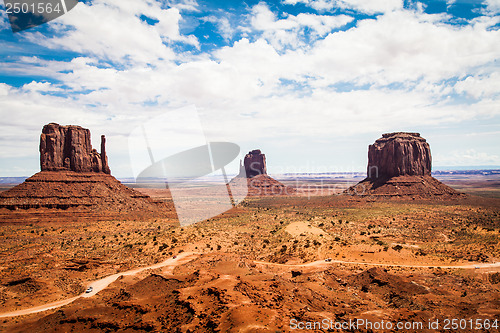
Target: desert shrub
x=397, y=247
x=495, y=278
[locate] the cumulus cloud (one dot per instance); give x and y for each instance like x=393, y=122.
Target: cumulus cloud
x=290, y=30
x=404, y=46
x=480, y=86
x=493, y=6
x=118, y=31
x=4, y=20
x=224, y=26
x=369, y=7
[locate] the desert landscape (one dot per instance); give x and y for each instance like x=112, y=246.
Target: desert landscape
x=406, y=250
x=250, y=166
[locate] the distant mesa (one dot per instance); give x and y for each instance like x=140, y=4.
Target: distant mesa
x=254, y=164
x=399, y=165
x=253, y=174
x=75, y=178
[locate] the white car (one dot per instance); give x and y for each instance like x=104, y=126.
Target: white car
x=89, y=290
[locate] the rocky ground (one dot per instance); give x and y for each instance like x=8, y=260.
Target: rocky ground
x=259, y=266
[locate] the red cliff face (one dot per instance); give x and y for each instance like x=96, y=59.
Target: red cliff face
x=399, y=154
x=68, y=148
x=399, y=166
x=254, y=164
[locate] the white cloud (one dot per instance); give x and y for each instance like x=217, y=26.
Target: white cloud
x=403, y=46
x=469, y=157
x=493, y=6
x=185, y=5
x=290, y=30
x=480, y=86
x=226, y=29
x=4, y=89
x=369, y=7
x=275, y=84
x=42, y=87
x=113, y=30
x=4, y=20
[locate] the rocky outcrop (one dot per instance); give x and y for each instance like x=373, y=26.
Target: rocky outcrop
x=399, y=166
x=253, y=175
x=69, y=148
x=254, y=164
x=75, y=183
x=399, y=154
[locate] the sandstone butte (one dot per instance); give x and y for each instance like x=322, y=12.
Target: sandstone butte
x=399, y=165
x=253, y=174
x=69, y=148
x=75, y=181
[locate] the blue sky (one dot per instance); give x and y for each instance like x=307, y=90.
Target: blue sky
x=310, y=82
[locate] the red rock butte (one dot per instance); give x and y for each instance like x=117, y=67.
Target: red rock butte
x=74, y=182
x=254, y=164
x=253, y=174
x=399, y=154
x=399, y=165
x=68, y=148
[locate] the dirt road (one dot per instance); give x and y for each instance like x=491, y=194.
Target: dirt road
x=324, y=263
x=101, y=284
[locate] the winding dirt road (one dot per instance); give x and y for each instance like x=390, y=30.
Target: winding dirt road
x=101, y=284
x=324, y=263
x=184, y=257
